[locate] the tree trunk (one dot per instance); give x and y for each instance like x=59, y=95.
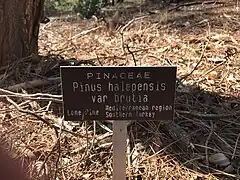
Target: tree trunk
x=19, y=27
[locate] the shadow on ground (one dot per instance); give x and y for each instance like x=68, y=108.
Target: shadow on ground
x=205, y=124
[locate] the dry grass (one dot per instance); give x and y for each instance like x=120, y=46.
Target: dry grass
x=203, y=41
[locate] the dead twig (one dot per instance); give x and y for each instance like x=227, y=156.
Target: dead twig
x=31, y=113
x=206, y=145
x=37, y=96
x=135, y=62
x=131, y=22
x=235, y=147
x=209, y=71
x=50, y=124
x=85, y=32
x=46, y=158
x=198, y=63
x=96, y=141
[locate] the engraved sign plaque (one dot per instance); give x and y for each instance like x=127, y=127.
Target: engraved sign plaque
x=118, y=93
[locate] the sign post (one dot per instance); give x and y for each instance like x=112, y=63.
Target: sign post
x=119, y=94
x=119, y=149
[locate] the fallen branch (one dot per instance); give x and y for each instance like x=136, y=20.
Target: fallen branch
x=37, y=96
x=209, y=116
x=195, y=3
x=34, y=83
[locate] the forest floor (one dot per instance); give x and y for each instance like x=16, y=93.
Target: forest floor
x=201, y=39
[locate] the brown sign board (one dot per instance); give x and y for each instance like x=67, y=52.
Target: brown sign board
x=118, y=93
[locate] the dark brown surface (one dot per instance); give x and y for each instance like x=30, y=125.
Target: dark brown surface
x=19, y=27
x=10, y=169
x=139, y=88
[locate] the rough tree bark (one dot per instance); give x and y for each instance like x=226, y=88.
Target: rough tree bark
x=19, y=27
